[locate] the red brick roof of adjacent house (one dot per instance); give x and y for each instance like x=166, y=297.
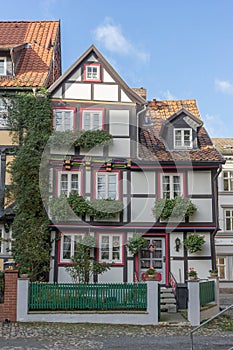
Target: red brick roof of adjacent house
x=40, y=39
x=224, y=145
x=152, y=146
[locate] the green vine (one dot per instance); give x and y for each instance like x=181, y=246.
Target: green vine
x=105, y=208
x=136, y=243
x=178, y=206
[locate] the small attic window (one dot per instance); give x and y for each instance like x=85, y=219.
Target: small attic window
x=92, y=72
x=2, y=65
x=183, y=138
x=228, y=147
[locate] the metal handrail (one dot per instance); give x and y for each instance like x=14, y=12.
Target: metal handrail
x=209, y=320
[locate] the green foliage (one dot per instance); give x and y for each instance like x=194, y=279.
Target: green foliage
x=30, y=122
x=58, y=209
x=83, y=268
x=80, y=138
x=136, y=243
x=176, y=207
x=78, y=204
x=193, y=243
x=105, y=208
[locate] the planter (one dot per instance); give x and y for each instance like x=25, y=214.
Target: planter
x=23, y=275
x=151, y=277
x=193, y=278
x=213, y=275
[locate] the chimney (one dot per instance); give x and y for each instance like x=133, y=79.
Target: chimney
x=141, y=92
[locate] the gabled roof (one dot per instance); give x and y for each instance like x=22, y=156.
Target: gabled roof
x=92, y=49
x=37, y=41
x=224, y=145
x=152, y=147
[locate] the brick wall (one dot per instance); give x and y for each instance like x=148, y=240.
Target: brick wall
x=8, y=308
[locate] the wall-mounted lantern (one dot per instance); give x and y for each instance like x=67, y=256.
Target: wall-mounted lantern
x=178, y=244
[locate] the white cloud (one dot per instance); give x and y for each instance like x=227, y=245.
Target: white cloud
x=224, y=86
x=166, y=95
x=111, y=37
x=214, y=124
x=46, y=7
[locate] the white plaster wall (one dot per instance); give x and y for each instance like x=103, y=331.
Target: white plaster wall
x=95, y=151
x=119, y=122
x=107, y=77
x=58, y=93
x=115, y=274
x=206, y=248
x=77, y=75
x=119, y=148
x=88, y=181
x=173, y=252
x=141, y=209
x=130, y=271
x=78, y=91
x=125, y=181
x=64, y=276
x=105, y=92
x=124, y=97
x=177, y=269
x=199, y=182
x=125, y=211
x=62, y=150
x=204, y=210
x=143, y=182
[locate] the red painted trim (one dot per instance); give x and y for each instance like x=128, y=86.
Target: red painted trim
x=137, y=266
x=104, y=171
x=167, y=261
x=174, y=167
x=85, y=72
x=69, y=172
x=90, y=109
x=98, y=234
x=67, y=108
x=198, y=228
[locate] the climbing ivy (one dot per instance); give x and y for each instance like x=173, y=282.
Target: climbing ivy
x=30, y=123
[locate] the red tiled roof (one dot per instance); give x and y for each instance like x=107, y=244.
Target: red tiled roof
x=152, y=147
x=36, y=59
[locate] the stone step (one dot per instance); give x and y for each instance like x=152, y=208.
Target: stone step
x=166, y=290
x=168, y=301
x=166, y=295
x=168, y=308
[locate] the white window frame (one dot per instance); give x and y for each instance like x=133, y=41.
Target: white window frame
x=183, y=141
x=107, y=184
x=3, y=59
x=111, y=248
x=228, y=217
x=73, y=237
x=62, y=126
x=228, y=179
x=89, y=74
x=221, y=266
x=171, y=184
x=5, y=246
x=92, y=115
x=70, y=188
x=3, y=112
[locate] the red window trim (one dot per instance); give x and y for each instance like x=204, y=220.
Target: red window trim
x=90, y=109
x=67, y=108
x=108, y=173
x=68, y=172
x=85, y=72
x=172, y=173
x=122, y=247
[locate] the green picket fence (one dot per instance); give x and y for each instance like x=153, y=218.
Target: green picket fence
x=106, y=296
x=207, y=292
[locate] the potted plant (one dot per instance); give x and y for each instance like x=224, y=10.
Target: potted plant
x=23, y=271
x=150, y=275
x=175, y=207
x=192, y=274
x=213, y=273
x=136, y=243
x=193, y=243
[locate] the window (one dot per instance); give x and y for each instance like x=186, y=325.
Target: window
x=229, y=219
x=67, y=182
x=2, y=66
x=63, y=119
x=221, y=265
x=228, y=180
x=5, y=241
x=171, y=186
x=107, y=185
x=183, y=138
x=92, y=72
x=69, y=245
x=3, y=113
x=91, y=119
x=111, y=248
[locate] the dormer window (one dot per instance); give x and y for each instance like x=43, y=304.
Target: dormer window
x=2, y=66
x=182, y=138
x=92, y=72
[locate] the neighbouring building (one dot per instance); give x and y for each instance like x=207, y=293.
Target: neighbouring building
x=30, y=58
x=160, y=149
x=224, y=238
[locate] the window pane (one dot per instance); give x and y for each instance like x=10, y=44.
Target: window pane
x=66, y=247
x=104, y=248
x=87, y=121
x=2, y=67
x=77, y=239
x=101, y=186
x=68, y=121
x=75, y=182
x=64, y=184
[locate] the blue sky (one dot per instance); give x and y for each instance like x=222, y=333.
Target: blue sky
x=177, y=49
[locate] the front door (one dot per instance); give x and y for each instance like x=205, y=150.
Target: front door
x=153, y=255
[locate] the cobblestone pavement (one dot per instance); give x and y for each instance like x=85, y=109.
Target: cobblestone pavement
x=59, y=336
